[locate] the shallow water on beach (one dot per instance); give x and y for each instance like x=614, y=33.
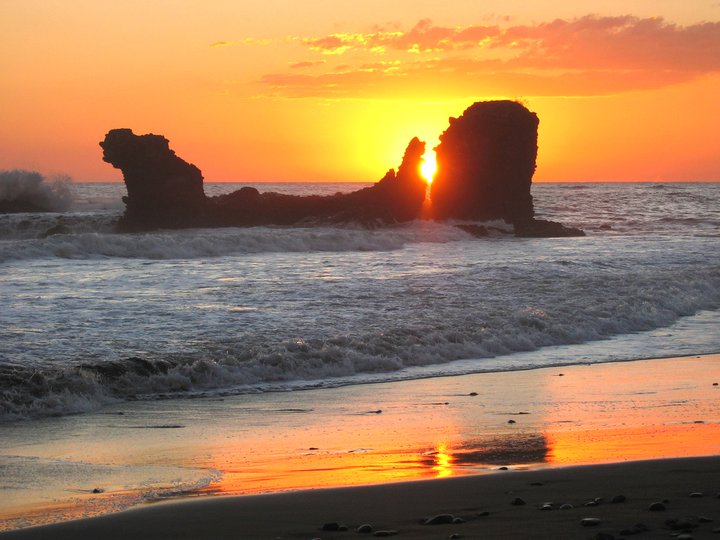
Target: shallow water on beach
x=362, y=434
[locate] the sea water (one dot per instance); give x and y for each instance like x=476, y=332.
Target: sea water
x=92, y=317
x=107, y=340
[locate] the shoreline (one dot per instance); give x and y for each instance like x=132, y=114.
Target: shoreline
x=442, y=428
x=484, y=504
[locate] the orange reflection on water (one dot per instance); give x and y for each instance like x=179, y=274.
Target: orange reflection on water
x=443, y=461
x=633, y=411
x=634, y=443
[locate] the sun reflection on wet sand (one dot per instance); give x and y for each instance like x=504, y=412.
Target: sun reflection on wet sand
x=633, y=411
x=419, y=429
x=443, y=461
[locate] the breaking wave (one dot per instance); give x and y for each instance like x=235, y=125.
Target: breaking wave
x=254, y=362
x=72, y=239
x=29, y=191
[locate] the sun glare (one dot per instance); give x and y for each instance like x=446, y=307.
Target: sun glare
x=428, y=166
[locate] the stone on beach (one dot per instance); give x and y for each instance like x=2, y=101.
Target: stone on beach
x=385, y=532
x=440, y=519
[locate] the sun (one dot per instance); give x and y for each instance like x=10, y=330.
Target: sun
x=428, y=167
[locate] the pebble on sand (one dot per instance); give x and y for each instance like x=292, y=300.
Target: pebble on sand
x=657, y=507
x=590, y=522
x=364, y=528
x=697, y=494
x=618, y=499
x=517, y=501
x=440, y=519
x=385, y=532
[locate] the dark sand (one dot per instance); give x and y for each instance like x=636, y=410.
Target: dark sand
x=403, y=507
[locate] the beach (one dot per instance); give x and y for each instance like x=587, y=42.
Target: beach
x=480, y=506
x=413, y=449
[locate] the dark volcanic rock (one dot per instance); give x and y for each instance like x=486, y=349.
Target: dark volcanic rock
x=485, y=163
x=163, y=189
x=486, y=159
x=395, y=198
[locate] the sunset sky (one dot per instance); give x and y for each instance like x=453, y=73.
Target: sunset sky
x=333, y=90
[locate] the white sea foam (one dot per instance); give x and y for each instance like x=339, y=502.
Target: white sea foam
x=201, y=243
x=35, y=190
x=90, y=317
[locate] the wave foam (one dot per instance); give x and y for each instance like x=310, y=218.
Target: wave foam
x=250, y=363
x=29, y=191
x=201, y=243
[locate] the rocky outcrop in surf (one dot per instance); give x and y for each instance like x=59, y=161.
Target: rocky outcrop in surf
x=486, y=160
x=397, y=197
x=485, y=163
x=165, y=191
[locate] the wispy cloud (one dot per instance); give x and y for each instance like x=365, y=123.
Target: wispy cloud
x=584, y=56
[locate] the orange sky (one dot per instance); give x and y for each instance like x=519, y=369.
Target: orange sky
x=282, y=90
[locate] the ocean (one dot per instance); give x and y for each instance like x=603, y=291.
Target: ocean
x=91, y=318
x=240, y=360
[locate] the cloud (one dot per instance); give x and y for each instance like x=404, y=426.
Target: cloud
x=585, y=56
x=302, y=65
x=244, y=41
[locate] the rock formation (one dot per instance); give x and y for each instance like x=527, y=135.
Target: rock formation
x=163, y=189
x=395, y=198
x=486, y=160
x=485, y=163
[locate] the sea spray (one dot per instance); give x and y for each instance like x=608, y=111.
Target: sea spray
x=30, y=191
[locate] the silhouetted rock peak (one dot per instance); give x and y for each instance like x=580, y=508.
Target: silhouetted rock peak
x=486, y=160
x=163, y=189
x=404, y=192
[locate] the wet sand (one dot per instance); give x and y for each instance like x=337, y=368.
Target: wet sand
x=457, y=431
x=481, y=506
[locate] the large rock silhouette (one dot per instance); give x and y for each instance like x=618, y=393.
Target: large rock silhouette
x=165, y=191
x=486, y=160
